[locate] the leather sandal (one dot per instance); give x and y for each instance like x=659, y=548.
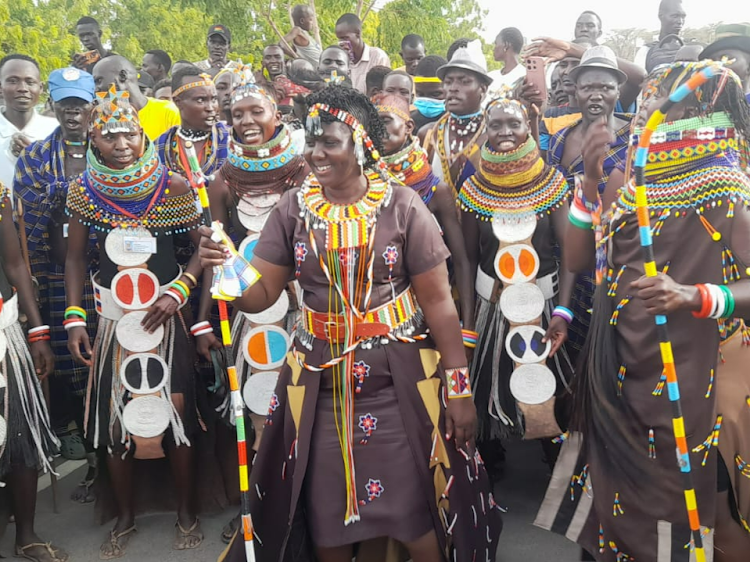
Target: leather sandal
x=117, y=543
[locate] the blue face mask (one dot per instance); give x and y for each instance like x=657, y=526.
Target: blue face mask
x=429, y=107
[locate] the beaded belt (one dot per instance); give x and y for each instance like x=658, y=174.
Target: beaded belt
x=398, y=316
x=9, y=313
x=486, y=286
x=105, y=305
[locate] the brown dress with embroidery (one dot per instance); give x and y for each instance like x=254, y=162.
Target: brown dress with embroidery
x=404, y=468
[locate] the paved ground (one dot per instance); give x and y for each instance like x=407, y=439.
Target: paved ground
x=521, y=492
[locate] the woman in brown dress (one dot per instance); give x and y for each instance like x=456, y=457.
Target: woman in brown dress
x=358, y=437
x=625, y=500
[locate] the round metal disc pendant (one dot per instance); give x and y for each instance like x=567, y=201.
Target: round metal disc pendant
x=121, y=251
x=532, y=384
x=144, y=373
x=247, y=246
x=514, y=231
x=274, y=313
x=146, y=416
x=265, y=347
x=518, y=263
x=253, y=223
x=258, y=390
x=524, y=344
x=135, y=288
x=131, y=335
x=522, y=304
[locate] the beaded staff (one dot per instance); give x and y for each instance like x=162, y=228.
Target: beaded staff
x=198, y=181
x=649, y=266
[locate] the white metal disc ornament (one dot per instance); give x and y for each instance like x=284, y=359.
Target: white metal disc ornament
x=265, y=347
x=146, y=416
x=274, y=313
x=3, y=345
x=258, y=390
x=532, y=384
x=129, y=247
x=135, y=288
x=133, y=337
x=524, y=344
x=512, y=231
x=253, y=215
x=144, y=373
x=522, y=304
x=518, y=263
x=247, y=246
x=3, y=430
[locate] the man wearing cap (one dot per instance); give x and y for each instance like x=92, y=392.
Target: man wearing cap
x=21, y=85
x=732, y=42
x=146, y=84
x=218, y=43
x=362, y=56
x=598, y=81
x=46, y=169
x=454, y=142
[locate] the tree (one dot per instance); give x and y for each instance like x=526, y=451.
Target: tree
x=626, y=42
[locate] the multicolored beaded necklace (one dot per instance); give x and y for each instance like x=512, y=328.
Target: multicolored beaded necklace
x=464, y=148
x=134, y=197
x=272, y=167
x=176, y=158
x=411, y=167
x=513, y=185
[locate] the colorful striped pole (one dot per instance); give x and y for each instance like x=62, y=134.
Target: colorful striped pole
x=198, y=182
x=649, y=266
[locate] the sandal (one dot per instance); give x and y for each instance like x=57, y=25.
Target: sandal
x=183, y=536
x=230, y=529
x=117, y=543
x=55, y=554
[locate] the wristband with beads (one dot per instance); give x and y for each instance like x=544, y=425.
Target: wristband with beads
x=458, y=383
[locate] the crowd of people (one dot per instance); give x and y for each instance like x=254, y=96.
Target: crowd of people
x=421, y=263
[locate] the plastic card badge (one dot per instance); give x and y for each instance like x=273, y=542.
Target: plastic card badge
x=131, y=335
x=522, y=304
x=146, y=416
x=524, y=344
x=266, y=347
x=512, y=231
x=274, y=313
x=518, y=263
x=247, y=246
x=130, y=247
x=258, y=390
x=135, y=288
x=532, y=384
x=144, y=373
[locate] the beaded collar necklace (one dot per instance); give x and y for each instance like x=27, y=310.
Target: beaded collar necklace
x=272, y=167
x=513, y=185
x=134, y=183
x=194, y=135
x=177, y=158
x=410, y=167
x=464, y=130
x=347, y=226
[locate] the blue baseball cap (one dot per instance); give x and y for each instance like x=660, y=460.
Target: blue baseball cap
x=71, y=83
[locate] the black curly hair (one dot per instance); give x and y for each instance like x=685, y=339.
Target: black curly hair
x=357, y=104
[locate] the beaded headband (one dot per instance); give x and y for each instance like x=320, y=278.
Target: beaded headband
x=205, y=80
x=113, y=113
x=362, y=139
x=506, y=103
x=392, y=104
x=427, y=80
x=252, y=90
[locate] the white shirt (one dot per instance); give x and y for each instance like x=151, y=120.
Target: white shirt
x=38, y=128
x=501, y=82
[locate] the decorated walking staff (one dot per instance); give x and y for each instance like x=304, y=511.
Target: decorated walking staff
x=228, y=284
x=649, y=266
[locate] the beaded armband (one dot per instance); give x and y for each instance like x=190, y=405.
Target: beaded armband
x=458, y=383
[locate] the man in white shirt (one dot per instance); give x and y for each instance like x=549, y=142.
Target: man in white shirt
x=20, y=124
x=508, y=47
x=362, y=56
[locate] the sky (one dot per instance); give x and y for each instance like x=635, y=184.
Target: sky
x=546, y=17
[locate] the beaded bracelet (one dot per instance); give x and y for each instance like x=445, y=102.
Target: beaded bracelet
x=470, y=338
x=201, y=329
x=458, y=383
x=564, y=313
x=190, y=277
x=75, y=311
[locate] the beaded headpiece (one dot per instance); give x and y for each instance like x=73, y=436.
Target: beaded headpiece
x=362, y=140
x=252, y=90
x=390, y=103
x=112, y=112
x=335, y=78
x=205, y=80
x=427, y=80
x=509, y=105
